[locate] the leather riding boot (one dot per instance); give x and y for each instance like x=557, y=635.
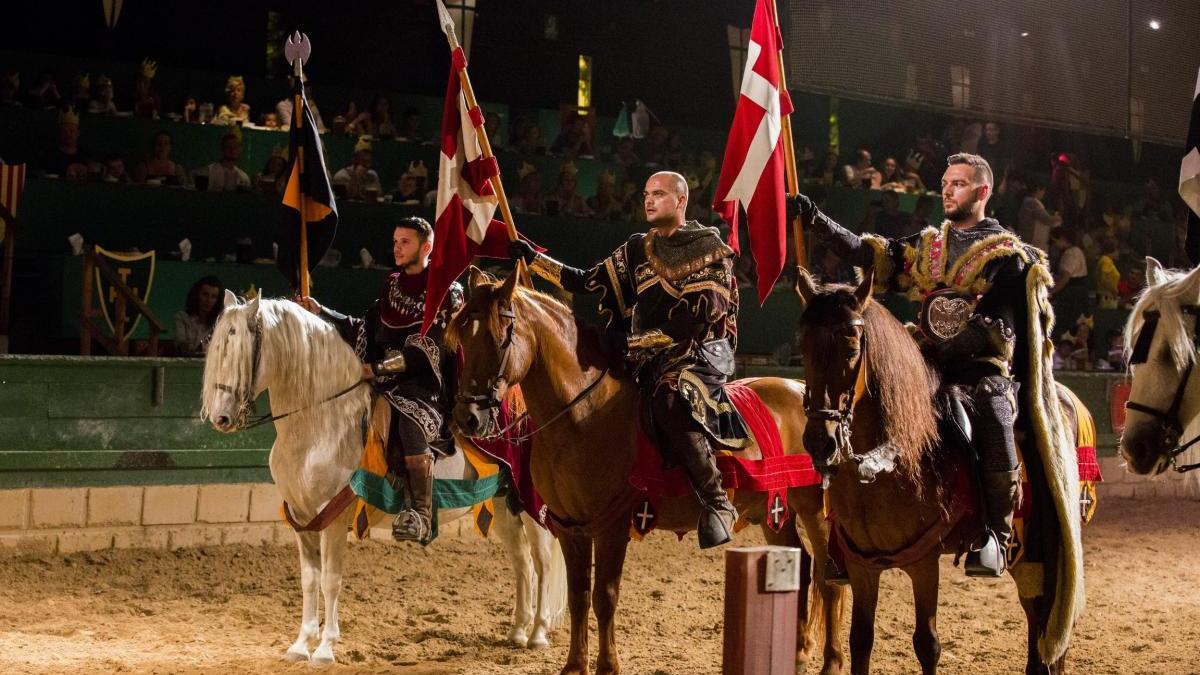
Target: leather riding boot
x=717, y=514
x=416, y=523
x=988, y=557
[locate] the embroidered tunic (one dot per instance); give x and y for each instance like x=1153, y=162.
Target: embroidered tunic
x=393, y=325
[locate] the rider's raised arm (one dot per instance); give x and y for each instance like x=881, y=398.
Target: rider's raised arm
x=572, y=279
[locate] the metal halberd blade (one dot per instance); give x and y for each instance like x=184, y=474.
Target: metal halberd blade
x=297, y=46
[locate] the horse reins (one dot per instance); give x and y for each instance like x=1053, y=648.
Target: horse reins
x=1172, y=428
x=491, y=400
x=843, y=416
x=246, y=403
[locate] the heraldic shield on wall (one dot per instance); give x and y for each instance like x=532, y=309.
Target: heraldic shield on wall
x=136, y=270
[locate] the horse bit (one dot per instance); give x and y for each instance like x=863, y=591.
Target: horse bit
x=843, y=416
x=246, y=403
x=491, y=400
x=1171, y=427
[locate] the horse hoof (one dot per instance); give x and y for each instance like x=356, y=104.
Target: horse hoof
x=517, y=637
x=539, y=640
x=295, y=654
x=322, y=657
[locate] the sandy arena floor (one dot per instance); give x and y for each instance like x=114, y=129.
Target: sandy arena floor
x=444, y=610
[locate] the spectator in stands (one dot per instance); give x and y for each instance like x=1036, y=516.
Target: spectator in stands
x=861, y=174
x=159, y=167
x=1114, y=358
x=572, y=139
x=529, y=196
x=146, y=101
x=830, y=175
x=224, y=175
x=531, y=142
x=632, y=203
x=194, y=324
x=806, y=164
x=114, y=170
x=81, y=98
x=76, y=171
x=274, y=176
x=565, y=200
x=375, y=121
x=675, y=157
x=1152, y=205
x=410, y=126
x=654, y=148
x=831, y=269
x=921, y=213
x=1034, y=222
x=1108, y=277
x=493, y=125
x=67, y=150
x=234, y=110
x=44, y=92
x=10, y=84
x=891, y=222
x=102, y=98
x=1070, y=291
x=993, y=149
x=359, y=180
x=191, y=110
x=283, y=109
x=890, y=175
x=626, y=157
x=1072, y=190
x=269, y=120
x=410, y=189
x=1115, y=220
x=606, y=205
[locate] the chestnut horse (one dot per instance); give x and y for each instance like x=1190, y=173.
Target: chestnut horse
x=583, y=451
x=862, y=366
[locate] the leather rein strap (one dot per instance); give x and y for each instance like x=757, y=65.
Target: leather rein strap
x=334, y=508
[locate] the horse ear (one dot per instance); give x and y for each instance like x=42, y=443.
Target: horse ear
x=252, y=308
x=477, y=277
x=508, y=289
x=806, y=288
x=863, y=292
x=1155, y=274
x=231, y=300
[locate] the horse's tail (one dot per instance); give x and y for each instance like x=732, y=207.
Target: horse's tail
x=556, y=600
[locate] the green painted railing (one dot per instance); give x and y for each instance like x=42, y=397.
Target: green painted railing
x=76, y=421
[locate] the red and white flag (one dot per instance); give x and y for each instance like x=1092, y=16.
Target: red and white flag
x=12, y=183
x=753, y=173
x=466, y=202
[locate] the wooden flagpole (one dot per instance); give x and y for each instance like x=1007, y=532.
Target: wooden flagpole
x=485, y=145
x=297, y=50
x=789, y=151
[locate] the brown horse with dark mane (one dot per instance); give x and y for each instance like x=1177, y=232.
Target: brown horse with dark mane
x=587, y=420
x=895, y=492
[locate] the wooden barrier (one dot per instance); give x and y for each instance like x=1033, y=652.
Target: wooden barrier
x=762, y=596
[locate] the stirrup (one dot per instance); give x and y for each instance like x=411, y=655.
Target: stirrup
x=986, y=558
x=410, y=526
x=834, y=575
x=715, y=527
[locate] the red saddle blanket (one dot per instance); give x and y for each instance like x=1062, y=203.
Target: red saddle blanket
x=772, y=475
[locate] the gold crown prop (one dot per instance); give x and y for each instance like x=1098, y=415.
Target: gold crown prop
x=363, y=144
x=68, y=116
x=148, y=69
x=526, y=169
x=234, y=81
x=417, y=169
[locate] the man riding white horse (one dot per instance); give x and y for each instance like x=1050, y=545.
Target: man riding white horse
x=671, y=294
x=412, y=372
x=980, y=287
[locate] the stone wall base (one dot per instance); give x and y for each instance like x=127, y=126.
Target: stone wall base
x=54, y=521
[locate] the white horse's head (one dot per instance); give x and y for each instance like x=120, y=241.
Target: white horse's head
x=1161, y=341
x=233, y=365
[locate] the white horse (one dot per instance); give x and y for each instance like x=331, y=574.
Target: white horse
x=277, y=346
x=1162, y=337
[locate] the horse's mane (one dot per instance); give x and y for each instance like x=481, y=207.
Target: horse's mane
x=1165, y=297
x=307, y=359
x=898, y=375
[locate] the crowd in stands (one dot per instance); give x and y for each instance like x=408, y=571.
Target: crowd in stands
x=1093, y=242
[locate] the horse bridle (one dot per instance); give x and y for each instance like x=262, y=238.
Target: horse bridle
x=1172, y=428
x=491, y=400
x=843, y=416
x=246, y=403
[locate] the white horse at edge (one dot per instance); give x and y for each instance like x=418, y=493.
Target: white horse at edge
x=278, y=347
x=1161, y=338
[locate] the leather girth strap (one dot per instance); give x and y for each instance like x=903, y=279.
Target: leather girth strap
x=332, y=510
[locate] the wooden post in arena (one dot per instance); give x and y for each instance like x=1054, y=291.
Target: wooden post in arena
x=485, y=145
x=762, y=596
x=789, y=156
